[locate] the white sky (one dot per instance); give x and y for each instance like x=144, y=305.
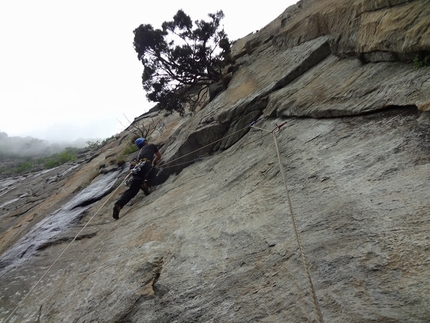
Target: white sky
x=68, y=69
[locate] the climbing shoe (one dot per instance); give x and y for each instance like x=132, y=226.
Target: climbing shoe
x=145, y=188
x=116, y=210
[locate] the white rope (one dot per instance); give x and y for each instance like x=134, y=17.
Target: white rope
x=65, y=249
x=315, y=300
x=296, y=229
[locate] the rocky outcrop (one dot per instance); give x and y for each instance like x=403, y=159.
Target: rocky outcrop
x=330, y=86
x=374, y=30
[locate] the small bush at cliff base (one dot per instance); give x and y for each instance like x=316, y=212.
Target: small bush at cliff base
x=422, y=61
x=24, y=167
x=131, y=148
x=59, y=159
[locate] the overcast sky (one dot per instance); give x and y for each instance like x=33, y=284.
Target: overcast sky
x=68, y=69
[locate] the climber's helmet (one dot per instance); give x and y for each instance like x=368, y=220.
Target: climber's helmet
x=140, y=142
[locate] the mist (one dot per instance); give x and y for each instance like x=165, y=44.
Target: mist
x=15, y=146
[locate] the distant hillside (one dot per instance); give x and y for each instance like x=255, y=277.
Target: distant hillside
x=20, y=155
x=14, y=146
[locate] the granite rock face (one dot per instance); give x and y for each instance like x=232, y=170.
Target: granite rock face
x=335, y=93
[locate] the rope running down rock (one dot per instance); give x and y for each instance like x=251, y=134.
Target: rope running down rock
x=315, y=302
x=65, y=249
x=252, y=125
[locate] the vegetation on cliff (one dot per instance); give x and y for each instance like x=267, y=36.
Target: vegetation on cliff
x=180, y=57
x=422, y=61
x=38, y=155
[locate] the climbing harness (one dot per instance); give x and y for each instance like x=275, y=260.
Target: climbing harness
x=296, y=229
x=136, y=169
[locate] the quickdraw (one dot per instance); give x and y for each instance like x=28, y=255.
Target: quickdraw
x=278, y=128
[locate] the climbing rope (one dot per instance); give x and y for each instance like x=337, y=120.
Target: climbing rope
x=65, y=249
x=77, y=235
x=83, y=228
x=194, y=151
x=296, y=229
x=252, y=125
x=202, y=157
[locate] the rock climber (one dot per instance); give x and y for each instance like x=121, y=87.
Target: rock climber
x=143, y=173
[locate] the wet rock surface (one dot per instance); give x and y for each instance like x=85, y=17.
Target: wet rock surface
x=42, y=233
x=216, y=241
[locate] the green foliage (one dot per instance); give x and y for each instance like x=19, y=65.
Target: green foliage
x=66, y=156
x=93, y=144
x=23, y=165
x=178, y=58
x=421, y=61
x=20, y=155
x=51, y=163
x=131, y=148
